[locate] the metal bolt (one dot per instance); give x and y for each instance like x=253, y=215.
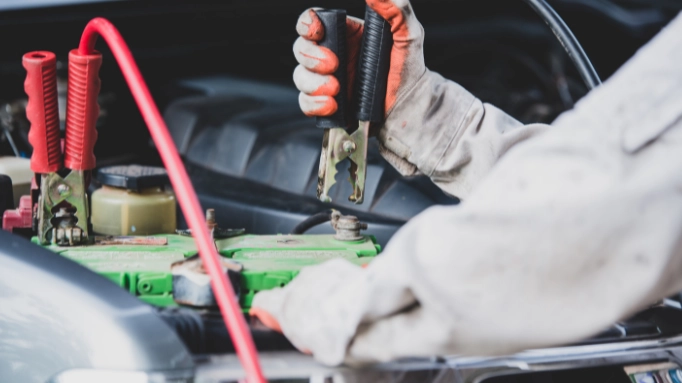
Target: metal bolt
x=347, y=227
x=210, y=221
x=348, y=146
x=210, y=216
x=63, y=189
x=76, y=234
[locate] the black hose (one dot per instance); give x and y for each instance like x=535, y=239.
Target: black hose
x=568, y=41
x=312, y=221
x=204, y=332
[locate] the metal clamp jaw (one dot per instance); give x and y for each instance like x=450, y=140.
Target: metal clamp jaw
x=337, y=145
x=62, y=171
x=63, y=209
x=370, y=93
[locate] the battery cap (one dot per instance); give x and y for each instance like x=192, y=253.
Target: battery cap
x=133, y=177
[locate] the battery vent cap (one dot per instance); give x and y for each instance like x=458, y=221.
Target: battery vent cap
x=133, y=177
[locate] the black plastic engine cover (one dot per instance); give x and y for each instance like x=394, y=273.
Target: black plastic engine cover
x=254, y=156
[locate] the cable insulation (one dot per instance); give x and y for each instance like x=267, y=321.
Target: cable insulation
x=568, y=41
x=42, y=111
x=312, y=221
x=187, y=198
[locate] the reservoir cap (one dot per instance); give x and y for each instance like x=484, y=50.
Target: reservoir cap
x=133, y=177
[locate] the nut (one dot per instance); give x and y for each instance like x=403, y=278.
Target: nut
x=63, y=189
x=347, y=227
x=349, y=146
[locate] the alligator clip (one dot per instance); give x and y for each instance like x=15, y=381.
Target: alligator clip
x=62, y=215
x=372, y=74
x=338, y=145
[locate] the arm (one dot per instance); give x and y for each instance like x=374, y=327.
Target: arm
x=570, y=232
x=441, y=130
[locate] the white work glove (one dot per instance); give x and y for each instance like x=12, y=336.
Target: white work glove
x=408, y=79
x=432, y=125
x=570, y=232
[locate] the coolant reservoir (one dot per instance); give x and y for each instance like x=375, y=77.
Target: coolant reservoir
x=133, y=201
x=19, y=170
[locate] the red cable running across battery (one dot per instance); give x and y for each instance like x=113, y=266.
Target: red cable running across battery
x=189, y=203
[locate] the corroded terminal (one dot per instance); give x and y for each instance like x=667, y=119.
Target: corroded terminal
x=216, y=231
x=192, y=285
x=347, y=227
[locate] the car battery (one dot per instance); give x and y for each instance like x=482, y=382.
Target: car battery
x=142, y=264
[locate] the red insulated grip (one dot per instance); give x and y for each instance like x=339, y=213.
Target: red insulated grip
x=42, y=111
x=82, y=110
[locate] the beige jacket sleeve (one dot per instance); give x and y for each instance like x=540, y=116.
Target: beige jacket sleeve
x=570, y=231
x=438, y=126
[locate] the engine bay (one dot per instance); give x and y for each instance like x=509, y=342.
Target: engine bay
x=251, y=156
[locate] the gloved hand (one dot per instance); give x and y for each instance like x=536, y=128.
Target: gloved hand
x=325, y=308
x=432, y=125
x=313, y=76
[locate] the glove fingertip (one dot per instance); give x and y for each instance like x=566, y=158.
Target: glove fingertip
x=315, y=29
x=317, y=106
x=330, y=88
x=327, y=64
x=266, y=318
x=309, y=26
x=327, y=109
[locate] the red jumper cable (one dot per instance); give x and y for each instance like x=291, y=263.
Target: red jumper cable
x=62, y=205
x=187, y=198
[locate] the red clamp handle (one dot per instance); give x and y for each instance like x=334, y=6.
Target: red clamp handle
x=82, y=110
x=42, y=111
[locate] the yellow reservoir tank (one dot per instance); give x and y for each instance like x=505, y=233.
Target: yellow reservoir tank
x=133, y=201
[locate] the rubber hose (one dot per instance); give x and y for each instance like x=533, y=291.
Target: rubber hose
x=312, y=221
x=568, y=41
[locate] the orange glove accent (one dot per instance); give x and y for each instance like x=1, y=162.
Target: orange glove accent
x=268, y=320
x=402, y=43
x=314, y=78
